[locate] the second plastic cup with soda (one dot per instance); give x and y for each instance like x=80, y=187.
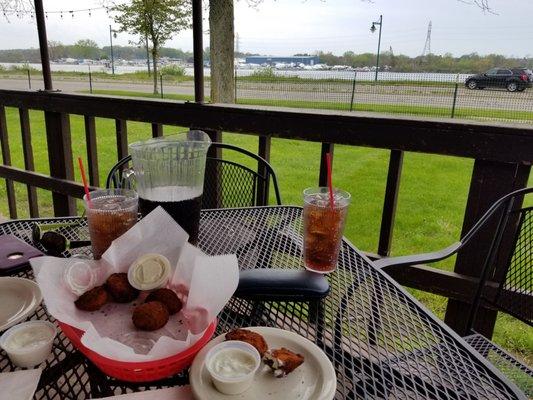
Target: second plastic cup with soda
x=110, y=213
x=323, y=227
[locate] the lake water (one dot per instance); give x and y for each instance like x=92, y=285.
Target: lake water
x=347, y=75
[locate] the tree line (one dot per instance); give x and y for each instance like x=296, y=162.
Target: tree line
x=88, y=49
x=468, y=63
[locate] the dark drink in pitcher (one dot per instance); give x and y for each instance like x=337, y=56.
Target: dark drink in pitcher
x=182, y=204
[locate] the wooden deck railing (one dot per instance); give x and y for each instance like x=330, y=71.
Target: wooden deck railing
x=502, y=154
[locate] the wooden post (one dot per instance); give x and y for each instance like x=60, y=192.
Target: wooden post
x=212, y=197
x=121, y=127
x=323, y=175
x=157, y=130
x=6, y=157
x=198, y=51
x=60, y=158
x=92, y=152
x=490, y=181
x=28, y=159
x=43, y=44
x=264, y=189
x=390, y=202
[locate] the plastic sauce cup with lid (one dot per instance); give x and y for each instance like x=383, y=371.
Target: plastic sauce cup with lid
x=232, y=366
x=149, y=271
x=30, y=343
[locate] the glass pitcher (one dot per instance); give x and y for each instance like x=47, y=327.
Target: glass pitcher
x=169, y=172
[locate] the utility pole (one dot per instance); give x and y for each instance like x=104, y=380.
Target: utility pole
x=112, y=56
x=373, y=29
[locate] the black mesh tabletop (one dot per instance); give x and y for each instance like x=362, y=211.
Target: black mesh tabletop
x=381, y=341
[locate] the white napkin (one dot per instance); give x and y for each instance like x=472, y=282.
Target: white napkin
x=175, y=393
x=204, y=283
x=19, y=385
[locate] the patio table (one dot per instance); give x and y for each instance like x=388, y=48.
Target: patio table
x=382, y=342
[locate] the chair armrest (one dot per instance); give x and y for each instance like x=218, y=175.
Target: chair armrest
x=424, y=258
x=265, y=284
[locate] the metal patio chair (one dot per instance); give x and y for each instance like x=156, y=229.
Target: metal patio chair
x=238, y=185
x=512, y=295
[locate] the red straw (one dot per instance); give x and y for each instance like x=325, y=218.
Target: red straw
x=84, y=179
x=330, y=186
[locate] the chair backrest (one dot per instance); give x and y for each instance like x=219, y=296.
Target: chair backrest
x=514, y=292
x=227, y=183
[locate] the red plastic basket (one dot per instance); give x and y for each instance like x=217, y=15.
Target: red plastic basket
x=140, y=371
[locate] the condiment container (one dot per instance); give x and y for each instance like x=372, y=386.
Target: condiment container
x=232, y=366
x=149, y=271
x=30, y=343
x=79, y=276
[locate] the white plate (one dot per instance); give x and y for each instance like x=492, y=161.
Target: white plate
x=19, y=298
x=313, y=380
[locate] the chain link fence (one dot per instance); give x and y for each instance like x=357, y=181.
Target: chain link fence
x=435, y=95
x=418, y=94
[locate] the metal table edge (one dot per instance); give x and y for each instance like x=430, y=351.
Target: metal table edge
x=460, y=341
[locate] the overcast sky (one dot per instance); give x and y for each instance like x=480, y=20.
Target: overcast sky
x=285, y=27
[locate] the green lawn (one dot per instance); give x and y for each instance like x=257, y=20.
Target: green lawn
x=431, y=202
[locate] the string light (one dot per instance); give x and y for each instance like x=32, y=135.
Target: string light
x=30, y=13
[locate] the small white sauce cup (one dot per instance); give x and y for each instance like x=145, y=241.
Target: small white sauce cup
x=238, y=384
x=32, y=355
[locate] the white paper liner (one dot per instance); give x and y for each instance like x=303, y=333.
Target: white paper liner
x=174, y=393
x=204, y=284
x=19, y=385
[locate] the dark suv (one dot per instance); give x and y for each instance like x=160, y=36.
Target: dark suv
x=514, y=79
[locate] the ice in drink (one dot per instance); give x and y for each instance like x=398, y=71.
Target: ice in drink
x=323, y=228
x=182, y=203
x=110, y=214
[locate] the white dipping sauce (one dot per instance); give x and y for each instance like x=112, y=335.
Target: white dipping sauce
x=232, y=363
x=30, y=338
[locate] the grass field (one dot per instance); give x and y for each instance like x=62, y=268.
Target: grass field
x=431, y=202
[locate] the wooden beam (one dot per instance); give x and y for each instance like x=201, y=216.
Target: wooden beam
x=323, y=174
x=389, y=204
x=157, y=130
x=490, y=181
x=453, y=285
x=121, y=128
x=212, y=197
x=92, y=150
x=483, y=141
x=263, y=151
x=60, y=158
x=27, y=150
x=62, y=187
x=6, y=159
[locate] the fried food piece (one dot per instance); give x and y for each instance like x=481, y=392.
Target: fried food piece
x=282, y=361
x=93, y=299
x=253, y=338
x=120, y=289
x=150, y=316
x=168, y=298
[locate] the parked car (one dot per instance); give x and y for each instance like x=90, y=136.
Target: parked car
x=512, y=79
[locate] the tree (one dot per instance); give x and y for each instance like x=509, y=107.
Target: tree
x=157, y=20
x=86, y=48
x=221, y=44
